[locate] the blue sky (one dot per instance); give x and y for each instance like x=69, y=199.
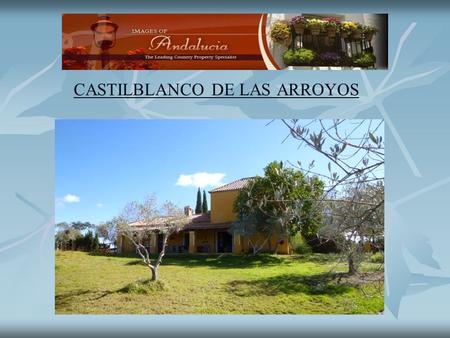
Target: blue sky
x=103, y=164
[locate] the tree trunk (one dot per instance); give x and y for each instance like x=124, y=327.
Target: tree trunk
x=154, y=273
x=351, y=266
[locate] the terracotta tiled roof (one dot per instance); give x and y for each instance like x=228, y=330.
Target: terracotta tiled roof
x=201, y=218
x=235, y=185
x=193, y=222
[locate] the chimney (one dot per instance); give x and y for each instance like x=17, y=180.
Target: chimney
x=188, y=210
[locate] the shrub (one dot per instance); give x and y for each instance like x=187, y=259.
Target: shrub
x=366, y=59
x=289, y=57
x=299, y=245
x=280, y=32
x=304, y=56
x=143, y=287
x=299, y=57
x=377, y=257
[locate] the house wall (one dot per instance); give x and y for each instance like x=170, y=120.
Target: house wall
x=206, y=238
x=127, y=245
x=175, y=242
x=272, y=245
x=222, y=206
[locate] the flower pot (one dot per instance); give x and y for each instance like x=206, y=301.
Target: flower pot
x=368, y=36
x=315, y=30
x=344, y=35
x=357, y=35
x=299, y=28
x=331, y=32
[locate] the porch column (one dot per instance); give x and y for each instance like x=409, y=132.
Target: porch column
x=153, y=243
x=237, y=243
x=192, y=242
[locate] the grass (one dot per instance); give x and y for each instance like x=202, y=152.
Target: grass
x=264, y=284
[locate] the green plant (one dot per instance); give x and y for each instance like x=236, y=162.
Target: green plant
x=299, y=57
x=289, y=57
x=299, y=245
x=304, y=56
x=366, y=59
x=280, y=32
x=369, y=32
x=377, y=257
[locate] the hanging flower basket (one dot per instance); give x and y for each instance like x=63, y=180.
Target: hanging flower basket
x=299, y=28
x=369, y=36
x=315, y=30
x=369, y=32
x=331, y=26
x=331, y=32
x=347, y=29
x=357, y=34
x=315, y=26
x=280, y=33
x=299, y=23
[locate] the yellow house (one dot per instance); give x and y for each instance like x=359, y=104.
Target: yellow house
x=210, y=233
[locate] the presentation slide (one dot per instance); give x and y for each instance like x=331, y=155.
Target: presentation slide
x=192, y=168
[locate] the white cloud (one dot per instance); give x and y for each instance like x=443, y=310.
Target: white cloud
x=201, y=179
x=99, y=205
x=70, y=198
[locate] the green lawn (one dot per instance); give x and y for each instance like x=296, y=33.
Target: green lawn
x=262, y=284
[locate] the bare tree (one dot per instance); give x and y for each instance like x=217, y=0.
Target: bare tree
x=138, y=221
x=353, y=202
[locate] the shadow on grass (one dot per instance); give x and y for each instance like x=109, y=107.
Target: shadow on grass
x=227, y=261
x=231, y=261
x=138, y=287
x=69, y=298
x=320, y=284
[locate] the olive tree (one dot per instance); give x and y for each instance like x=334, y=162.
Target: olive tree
x=355, y=222
x=139, y=220
x=353, y=202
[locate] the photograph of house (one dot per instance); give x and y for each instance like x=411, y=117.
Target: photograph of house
x=219, y=217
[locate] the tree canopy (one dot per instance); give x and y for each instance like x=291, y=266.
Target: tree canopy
x=198, y=204
x=283, y=201
x=204, y=203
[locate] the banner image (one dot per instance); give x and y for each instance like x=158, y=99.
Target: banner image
x=223, y=41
